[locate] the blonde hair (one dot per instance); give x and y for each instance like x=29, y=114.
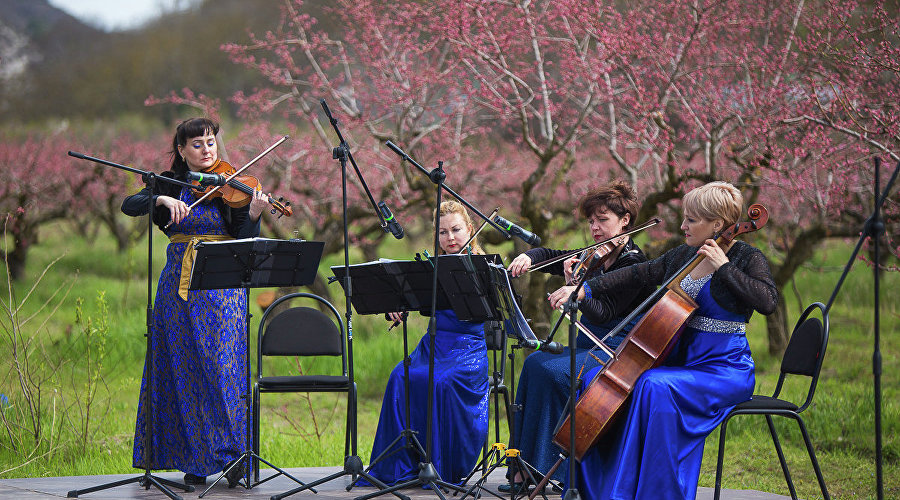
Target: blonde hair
x=715, y=200
x=455, y=207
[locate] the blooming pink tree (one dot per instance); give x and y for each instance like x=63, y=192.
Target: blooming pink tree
x=99, y=202
x=531, y=103
x=36, y=186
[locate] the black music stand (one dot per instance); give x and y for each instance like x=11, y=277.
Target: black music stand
x=254, y=263
x=514, y=324
x=394, y=286
x=403, y=286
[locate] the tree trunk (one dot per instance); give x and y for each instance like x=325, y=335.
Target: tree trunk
x=16, y=261
x=777, y=328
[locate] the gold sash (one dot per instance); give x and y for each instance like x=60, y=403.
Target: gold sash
x=190, y=253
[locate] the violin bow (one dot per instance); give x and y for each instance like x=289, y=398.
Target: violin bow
x=650, y=223
x=238, y=171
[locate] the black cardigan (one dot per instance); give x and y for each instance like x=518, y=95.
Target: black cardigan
x=742, y=285
x=601, y=308
x=237, y=220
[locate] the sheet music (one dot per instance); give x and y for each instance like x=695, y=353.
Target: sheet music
x=516, y=324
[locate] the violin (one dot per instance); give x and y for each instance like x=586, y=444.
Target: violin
x=592, y=258
x=584, y=251
x=238, y=190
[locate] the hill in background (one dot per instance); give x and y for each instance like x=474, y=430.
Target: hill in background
x=54, y=66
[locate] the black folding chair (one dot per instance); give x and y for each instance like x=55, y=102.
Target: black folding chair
x=803, y=356
x=301, y=331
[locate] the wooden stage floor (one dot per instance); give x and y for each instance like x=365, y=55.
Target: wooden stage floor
x=58, y=487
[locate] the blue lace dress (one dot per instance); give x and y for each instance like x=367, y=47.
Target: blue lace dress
x=199, y=365
x=655, y=450
x=460, y=407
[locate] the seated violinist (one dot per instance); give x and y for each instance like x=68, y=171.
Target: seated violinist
x=655, y=449
x=543, y=388
x=460, y=419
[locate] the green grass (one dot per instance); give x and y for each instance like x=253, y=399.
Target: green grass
x=841, y=420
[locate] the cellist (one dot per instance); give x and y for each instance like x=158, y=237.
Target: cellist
x=656, y=448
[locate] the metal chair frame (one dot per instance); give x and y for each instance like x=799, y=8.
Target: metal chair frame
x=301, y=383
x=799, y=359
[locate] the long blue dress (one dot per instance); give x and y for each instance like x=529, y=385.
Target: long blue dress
x=460, y=421
x=199, y=365
x=543, y=391
x=544, y=384
x=656, y=449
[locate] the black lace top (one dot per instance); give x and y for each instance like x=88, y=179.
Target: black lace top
x=742, y=285
x=601, y=308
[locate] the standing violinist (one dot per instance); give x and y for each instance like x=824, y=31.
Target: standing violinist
x=198, y=342
x=655, y=450
x=543, y=388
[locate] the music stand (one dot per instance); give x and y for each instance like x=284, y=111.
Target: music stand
x=403, y=286
x=253, y=263
x=515, y=324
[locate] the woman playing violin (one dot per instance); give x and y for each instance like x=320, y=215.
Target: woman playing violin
x=460, y=384
x=544, y=383
x=656, y=448
x=198, y=342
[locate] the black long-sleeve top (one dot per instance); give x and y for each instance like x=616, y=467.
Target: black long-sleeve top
x=741, y=285
x=601, y=308
x=237, y=220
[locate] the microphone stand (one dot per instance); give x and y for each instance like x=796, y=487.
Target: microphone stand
x=147, y=478
x=873, y=228
x=428, y=475
x=443, y=186
x=570, y=309
x=353, y=465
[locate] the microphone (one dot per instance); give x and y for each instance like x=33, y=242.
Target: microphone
x=206, y=179
x=395, y=149
x=392, y=225
x=537, y=345
x=526, y=236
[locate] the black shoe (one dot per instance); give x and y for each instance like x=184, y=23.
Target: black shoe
x=194, y=479
x=235, y=475
x=506, y=488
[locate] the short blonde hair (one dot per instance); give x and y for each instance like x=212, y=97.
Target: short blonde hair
x=455, y=207
x=715, y=200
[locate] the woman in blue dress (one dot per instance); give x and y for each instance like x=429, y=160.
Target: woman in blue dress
x=656, y=448
x=460, y=406
x=199, y=336
x=543, y=387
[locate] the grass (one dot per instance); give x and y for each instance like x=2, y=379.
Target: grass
x=841, y=420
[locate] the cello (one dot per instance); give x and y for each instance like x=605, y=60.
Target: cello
x=646, y=346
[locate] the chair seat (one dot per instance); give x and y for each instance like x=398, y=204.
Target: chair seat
x=759, y=403
x=305, y=383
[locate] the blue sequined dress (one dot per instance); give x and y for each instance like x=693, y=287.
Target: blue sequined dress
x=655, y=450
x=199, y=365
x=460, y=421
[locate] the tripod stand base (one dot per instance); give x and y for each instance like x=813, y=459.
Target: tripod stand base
x=249, y=457
x=353, y=466
x=146, y=480
x=511, y=459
